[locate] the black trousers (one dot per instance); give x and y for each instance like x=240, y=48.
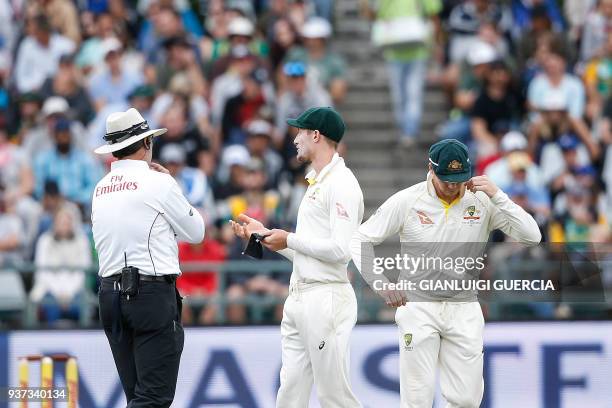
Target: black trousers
x=148, y=349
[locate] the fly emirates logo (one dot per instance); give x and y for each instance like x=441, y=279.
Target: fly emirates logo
x=116, y=184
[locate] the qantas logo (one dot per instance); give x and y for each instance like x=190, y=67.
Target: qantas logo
x=341, y=211
x=424, y=218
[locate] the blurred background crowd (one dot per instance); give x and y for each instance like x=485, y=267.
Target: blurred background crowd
x=527, y=84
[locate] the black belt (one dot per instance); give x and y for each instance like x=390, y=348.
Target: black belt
x=145, y=278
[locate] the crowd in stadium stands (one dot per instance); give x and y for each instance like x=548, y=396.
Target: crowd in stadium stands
x=529, y=83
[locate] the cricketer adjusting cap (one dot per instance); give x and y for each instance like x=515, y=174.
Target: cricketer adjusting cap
x=450, y=162
x=324, y=119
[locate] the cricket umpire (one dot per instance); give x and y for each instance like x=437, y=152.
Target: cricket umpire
x=450, y=206
x=138, y=213
x=321, y=309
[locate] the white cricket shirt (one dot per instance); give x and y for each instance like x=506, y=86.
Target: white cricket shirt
x=417, y=214
x=142, y=213
x=329, y=214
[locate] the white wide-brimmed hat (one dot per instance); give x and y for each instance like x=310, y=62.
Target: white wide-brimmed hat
x=124, y=129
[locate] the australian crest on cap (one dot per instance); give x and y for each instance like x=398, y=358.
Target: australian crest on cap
x=455, y=165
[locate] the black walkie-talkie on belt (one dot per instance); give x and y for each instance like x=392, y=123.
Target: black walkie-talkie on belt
x=130, y=279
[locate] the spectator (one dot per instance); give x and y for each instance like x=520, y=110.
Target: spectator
x=183, y=132
x=497, y=107
x=472, y=75
x=596, y=29
x=262, y=205
x=297, y=95
x=68, y=84
x=52, y=203
x=40, y=45
x=193, y=181
x=11, y=233
x=141, y=98
x=578, y=177
x=91, y=53
x=533, y=200
x=541, y=25
x=259, y=135
x=554, y=120
x=18, y=183
x=244, y=107
x=72, y=169
x=199, y=283
x=230, y=173
x=465, y=22
x=40, y=138
x=277, y=11
x=27, y=119
x=560, y=158
x=62, y=257
x=183, y=90
x=284, y=37
x=114, y=84
x=598, y=81
x=165, y=22
x=555, y=79
x=576, y=13
x=500, y=171
x=324, y=65
x=407, y=65
x=526, y=14
x=241, y=32
x=180, y=58
x=62, y=15
x=229, y=84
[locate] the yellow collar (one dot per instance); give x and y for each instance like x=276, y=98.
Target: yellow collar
x=312, y=177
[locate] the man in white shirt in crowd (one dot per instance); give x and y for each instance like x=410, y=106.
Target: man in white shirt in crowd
x=437, y=328
x=321, y=309
x=138, y=213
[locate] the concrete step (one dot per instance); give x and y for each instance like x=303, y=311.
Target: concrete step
x=373, y=159
x=369, y=177
x=383, y=119
x=366, y=136
x=352, y=27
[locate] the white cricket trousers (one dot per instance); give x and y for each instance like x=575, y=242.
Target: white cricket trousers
x=448, y=335
x=315, y=330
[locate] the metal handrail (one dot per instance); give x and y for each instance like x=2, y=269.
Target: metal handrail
x=369, y=303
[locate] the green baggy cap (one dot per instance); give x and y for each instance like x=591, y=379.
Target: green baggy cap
x=450, y=161
x=324, y=119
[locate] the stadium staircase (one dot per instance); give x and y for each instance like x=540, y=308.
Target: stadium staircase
x=380, y=166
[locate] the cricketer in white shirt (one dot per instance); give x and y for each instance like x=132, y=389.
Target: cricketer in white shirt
x=321, y=309
x=447, y=332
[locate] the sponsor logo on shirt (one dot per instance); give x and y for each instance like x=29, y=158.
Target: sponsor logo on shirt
x=314, y=193
x=408, y=341
x=341, y=211
x=117, y=184
x=471, y=213
x=424, y=218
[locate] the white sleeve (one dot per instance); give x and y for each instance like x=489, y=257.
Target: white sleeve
x=186, y=221
x=387, y=221
x=513, y=220
x=287, y=253
x=345, y=205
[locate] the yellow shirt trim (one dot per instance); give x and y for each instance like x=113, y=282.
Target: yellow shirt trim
x=447, y=206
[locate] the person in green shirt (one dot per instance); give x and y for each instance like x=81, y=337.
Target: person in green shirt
x=407, y=64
